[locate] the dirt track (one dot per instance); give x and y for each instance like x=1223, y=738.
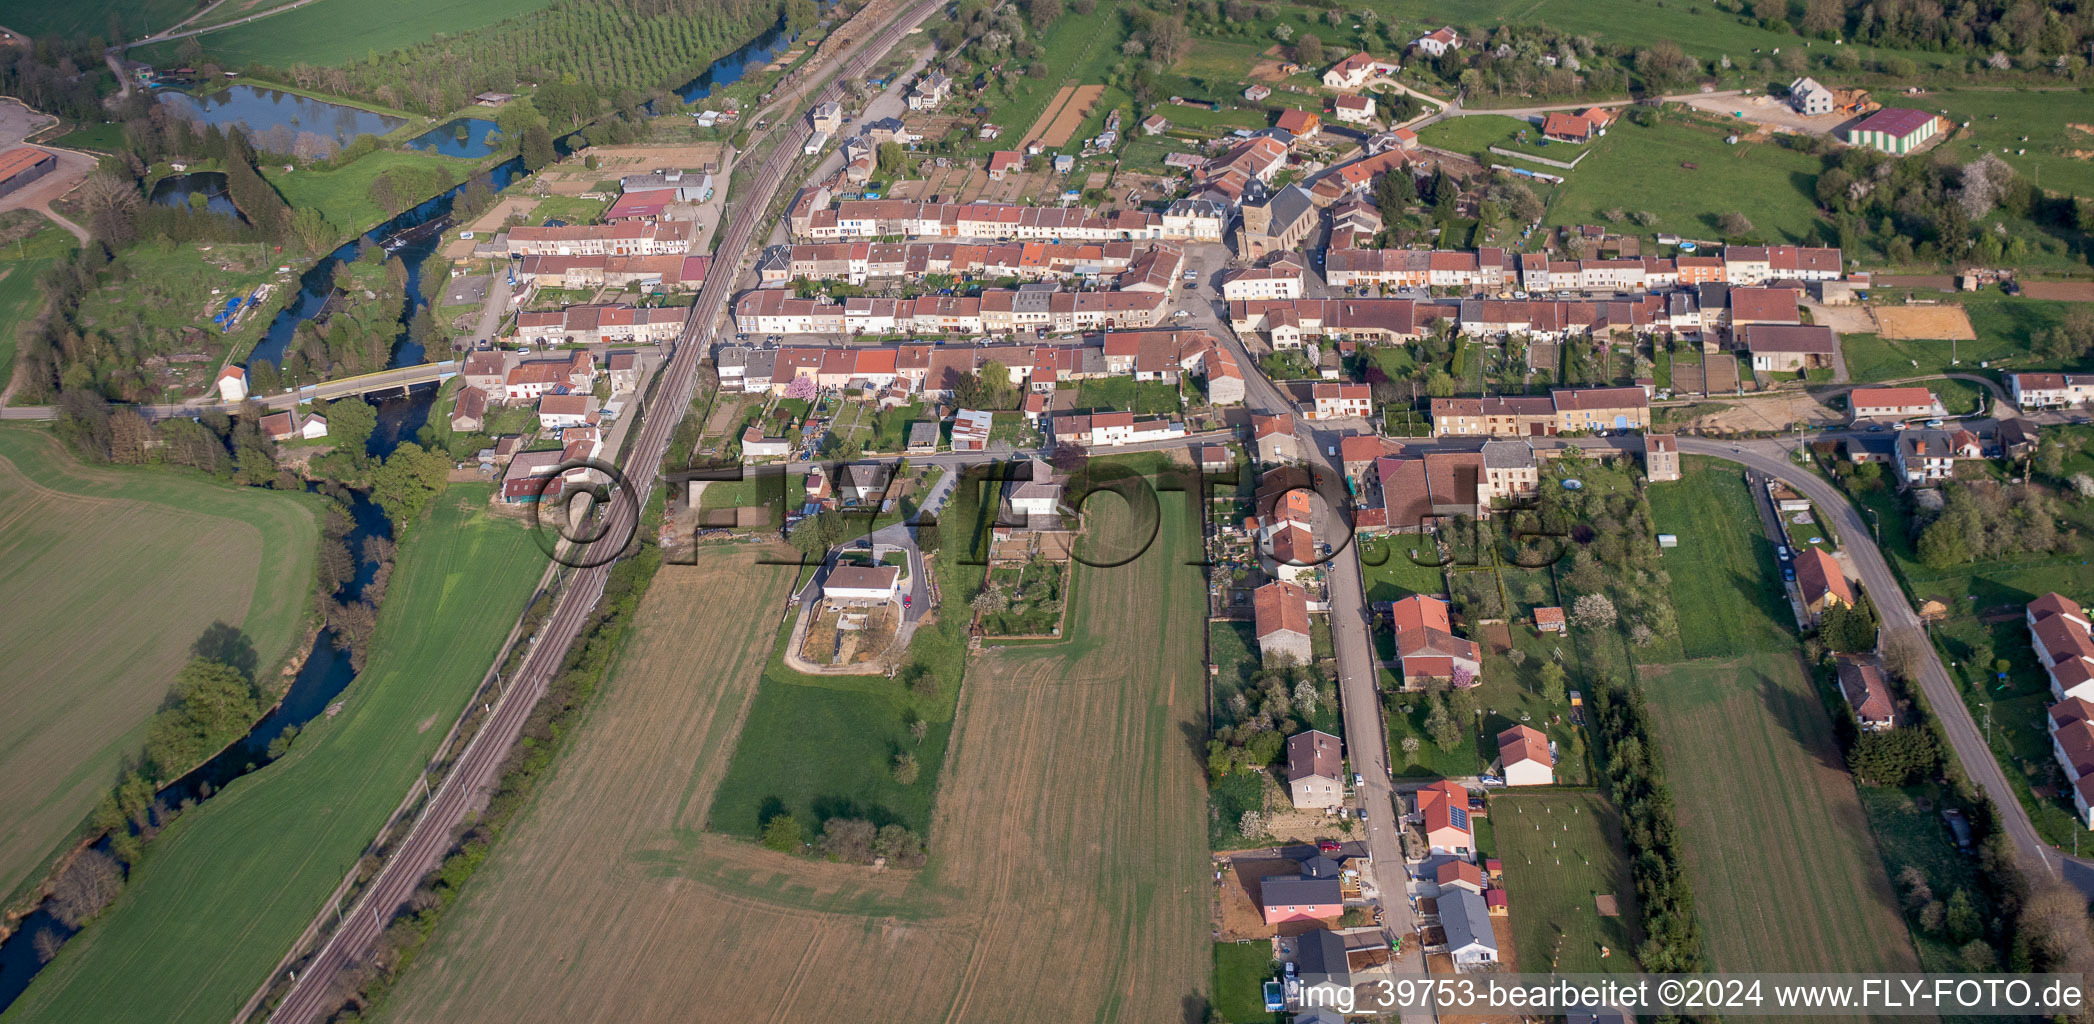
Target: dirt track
x=1070, y=827
x=1047, y=116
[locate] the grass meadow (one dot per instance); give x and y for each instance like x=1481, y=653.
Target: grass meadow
x=91, y=17
x=1078, y=50
x=2055, y=123
x=1749, y=752
x=2002, y=323
x=90, y=560
x=227, y=888
x=1636, y=168
x=341, y=31
x=343, y=194
x=1729, y=598
x=20, y=265
x=1560, y=850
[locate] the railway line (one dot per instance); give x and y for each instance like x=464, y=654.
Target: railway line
x=315, y=988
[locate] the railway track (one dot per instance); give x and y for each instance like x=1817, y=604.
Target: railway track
x=315, y=990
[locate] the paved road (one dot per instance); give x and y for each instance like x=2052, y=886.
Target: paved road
x=1901, y=625
x=313, y=995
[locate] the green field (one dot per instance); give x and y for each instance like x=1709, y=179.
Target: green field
x=1560, y=850
x=340, y=31
x=2002, y=323
x=1999, y=119
x=91, y=555
x=1639, y=168
x=1474, y=136
x=108, y=138
x=1748, y=749
x=91, y=17
x=229, y=886
x=343, y=194
x=1729, y=598
x=1078, y=49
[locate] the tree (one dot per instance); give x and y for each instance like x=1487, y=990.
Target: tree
x=906, y=769
x=893, y=159
x=1410, y=749
x=538, y=148
x=1734, y=223
x=350, y=422
x=1894, y=757
x=312, y=229
x=1552, y=680
x=1593, y=611
x=1849, y=630
x=407, y=483
x=1962, y=920
x=86, y=886
x=210, y=705
x=1446, y=733
x=849, y=840
x=1308, y=50
x=782, y=833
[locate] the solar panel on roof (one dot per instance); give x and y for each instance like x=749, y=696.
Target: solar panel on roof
x=1459, y=816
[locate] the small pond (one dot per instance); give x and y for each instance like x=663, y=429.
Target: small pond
x=176, y=190
x=469, y=137
x=280, y=122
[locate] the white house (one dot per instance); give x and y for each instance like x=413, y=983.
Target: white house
x=1527, y=761
x=1809, y=98
x=2051, y=390
x=1336, y=401
x=1438, y=41
x=1281, y=281
x=232, y=384
x=283, y=426
x=1893, y=403
x=857, y=584
x=1466, y=920
x=556, y=412
x=1353, y=109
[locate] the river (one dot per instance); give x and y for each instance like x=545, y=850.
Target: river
x=413, y=236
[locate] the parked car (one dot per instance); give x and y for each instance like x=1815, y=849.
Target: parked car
x=1936, y=422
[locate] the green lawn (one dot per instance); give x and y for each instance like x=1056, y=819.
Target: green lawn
x=1640, y=169
x=1473, y=136
x=1729, y=597
x=1914, y=835
x=229, y=886
x=1389, y=567
x=1241, y=970
x=1999, y=119
x=1560, y=850
x=85, y=547
x=344, y=193
x=108, y=138
x=340, y=31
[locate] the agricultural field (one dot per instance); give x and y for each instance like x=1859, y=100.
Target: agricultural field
x=340, y=31
x=1642, y=169
x=91, y=17
x=86, y=546
x=2002, y=323
x=1070, y=797
x=1561, y=850
x=228, y=886
x=2060, y=134
x=1747, y=744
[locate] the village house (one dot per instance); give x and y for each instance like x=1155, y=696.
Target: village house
x=288, y=425
x=1273, y=437
x=1281, y=612
x=1524, y=757
x=1893, y=404
x=1787, y=348
x=1661, y=457
x=469, y=411
x=2072, y=742
x=558, y=411
x=2058, y=630
x=1299, y=123
x=1821, y=581
x=1443, y=814
x=857, y=585
x=931, y=89
x=1438, y=41
x=1357, y=70
x=1601, y=409
x=1867, y=694
x=1353, y=109
x=826, y=118
x=1510, y=470
x=1315, y=770
x=1300, y=898
x=970, y=430
x=1427, y=650
x=627, y=238
x=1341, y=401
x=232, y=384
x=1279, y=281
x=1466, y=921
x=1809, y=98
x=2050, y=390
x=1927, y=457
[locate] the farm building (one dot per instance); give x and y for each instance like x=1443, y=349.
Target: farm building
x=1526, y=758
x=1895, y=130
x=1315, y=770
x=19, y=167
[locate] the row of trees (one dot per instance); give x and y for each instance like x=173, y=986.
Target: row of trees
x=1636, y=781
x=848, y=841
